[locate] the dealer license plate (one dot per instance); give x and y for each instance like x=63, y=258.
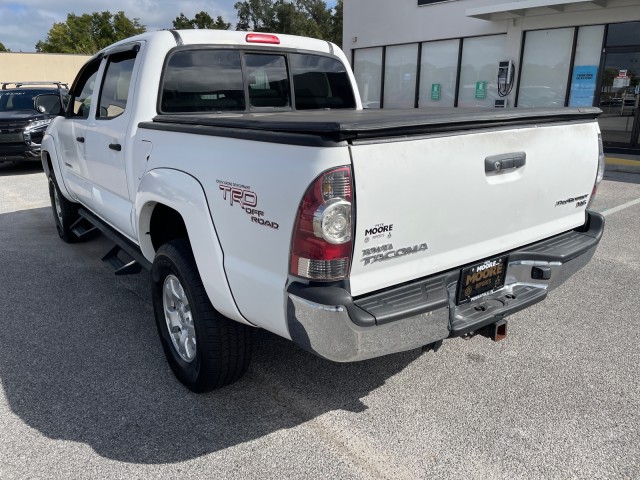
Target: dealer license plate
x=482, y=277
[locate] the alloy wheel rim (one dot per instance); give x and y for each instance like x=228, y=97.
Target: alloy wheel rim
x=56, y=202
x=179, y=319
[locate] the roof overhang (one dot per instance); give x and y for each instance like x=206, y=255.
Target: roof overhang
x=529, y=8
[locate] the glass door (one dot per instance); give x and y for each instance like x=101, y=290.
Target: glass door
x=620, y=99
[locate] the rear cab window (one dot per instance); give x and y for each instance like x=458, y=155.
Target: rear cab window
x=202, y=80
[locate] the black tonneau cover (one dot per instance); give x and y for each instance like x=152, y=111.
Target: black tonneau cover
x=341, y=125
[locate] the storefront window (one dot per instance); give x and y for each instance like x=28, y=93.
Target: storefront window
x=438, y=71
x=479, y=70
x=545, y=68
x=623, y=34
x=585, y=68
x=368, y=73
x=401, y=67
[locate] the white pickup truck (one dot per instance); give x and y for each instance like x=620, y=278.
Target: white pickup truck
x=242, y=171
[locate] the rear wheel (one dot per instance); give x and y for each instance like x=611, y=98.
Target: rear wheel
x=204, y=349
x=65, y=213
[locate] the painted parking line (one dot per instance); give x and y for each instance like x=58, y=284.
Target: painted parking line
x=622, y=161
x=610, y=211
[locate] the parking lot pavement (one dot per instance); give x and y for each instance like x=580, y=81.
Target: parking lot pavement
x=86, y=392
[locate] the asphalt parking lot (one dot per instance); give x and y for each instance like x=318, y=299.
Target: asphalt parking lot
x=86, y=392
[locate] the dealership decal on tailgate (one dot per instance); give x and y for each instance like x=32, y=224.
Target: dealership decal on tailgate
x=481, y=278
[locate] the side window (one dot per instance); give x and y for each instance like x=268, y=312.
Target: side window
x=115, y=86
x=203, y=81
x=82, y=101
x=268, y=80
x=320, y=82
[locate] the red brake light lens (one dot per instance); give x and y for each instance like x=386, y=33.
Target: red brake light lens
x=262, y=38
x=322, y=240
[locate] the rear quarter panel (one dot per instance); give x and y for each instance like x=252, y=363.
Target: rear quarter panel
x=253, y=190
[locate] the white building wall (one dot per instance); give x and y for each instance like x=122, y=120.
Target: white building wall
x=376, y=23
x=384, y=22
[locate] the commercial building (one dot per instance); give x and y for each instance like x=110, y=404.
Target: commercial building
x=40, y=67
x=551, y=53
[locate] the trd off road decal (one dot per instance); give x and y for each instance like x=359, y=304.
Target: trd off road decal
x=237, y=194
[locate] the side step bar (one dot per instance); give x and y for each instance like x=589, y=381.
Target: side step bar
x=122, y=244
x=83, y=229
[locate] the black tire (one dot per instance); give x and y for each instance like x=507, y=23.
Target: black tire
x=68, y=211
x=222, y=346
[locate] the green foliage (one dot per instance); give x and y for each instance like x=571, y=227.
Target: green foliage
x=89, y=33
x=309, y=18
x=3, y=48
x=201, y=20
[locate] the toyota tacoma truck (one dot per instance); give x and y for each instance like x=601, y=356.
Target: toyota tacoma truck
x=241, y=170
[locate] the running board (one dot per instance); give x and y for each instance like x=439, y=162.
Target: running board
x=120, y=266
x=82, y=228
x=137, y=261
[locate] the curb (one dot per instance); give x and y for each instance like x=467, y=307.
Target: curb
x=614, y=164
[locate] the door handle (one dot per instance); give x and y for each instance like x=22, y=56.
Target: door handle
x=507, y=161
x=80, y=139
x=115, y=146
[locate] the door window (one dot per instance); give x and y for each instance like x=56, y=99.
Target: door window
x=83, y=90
x=115, y=87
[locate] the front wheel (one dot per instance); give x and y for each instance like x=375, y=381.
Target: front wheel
x=65, y=213
x=204, y=349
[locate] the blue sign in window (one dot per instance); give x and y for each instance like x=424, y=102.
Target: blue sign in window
x=583, y=86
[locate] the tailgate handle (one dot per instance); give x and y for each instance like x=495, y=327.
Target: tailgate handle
x=506, y=161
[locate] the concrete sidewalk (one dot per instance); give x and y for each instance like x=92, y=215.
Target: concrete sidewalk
x=617, y=162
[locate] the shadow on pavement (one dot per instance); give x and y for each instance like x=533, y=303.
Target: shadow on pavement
x=20, y=168
x=80, y=360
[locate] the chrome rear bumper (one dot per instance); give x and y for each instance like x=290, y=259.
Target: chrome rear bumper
x=327, y=321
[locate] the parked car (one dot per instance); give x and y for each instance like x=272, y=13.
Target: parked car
x=26, y=109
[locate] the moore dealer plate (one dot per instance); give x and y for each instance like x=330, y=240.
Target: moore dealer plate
x=483, y=277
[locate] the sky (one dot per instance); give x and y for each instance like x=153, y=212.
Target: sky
x=24, y=22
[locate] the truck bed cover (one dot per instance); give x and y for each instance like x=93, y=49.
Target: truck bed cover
x=342, y=125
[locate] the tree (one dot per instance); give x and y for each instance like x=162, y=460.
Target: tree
x=257, y=15
x=201, y=20
x=89, y=33
x=3, y=48
x=336, y=24
x=310, y=18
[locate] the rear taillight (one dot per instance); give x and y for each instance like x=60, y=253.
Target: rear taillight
x=321, y=247
x=600, y=174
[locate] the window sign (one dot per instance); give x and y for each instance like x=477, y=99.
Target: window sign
x=583, y=85
x=435, y=91
x=621, y=81
x=481, y=90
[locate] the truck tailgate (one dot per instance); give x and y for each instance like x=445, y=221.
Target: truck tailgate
x=431, y=203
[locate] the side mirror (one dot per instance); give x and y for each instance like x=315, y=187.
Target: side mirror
x=48, y=103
